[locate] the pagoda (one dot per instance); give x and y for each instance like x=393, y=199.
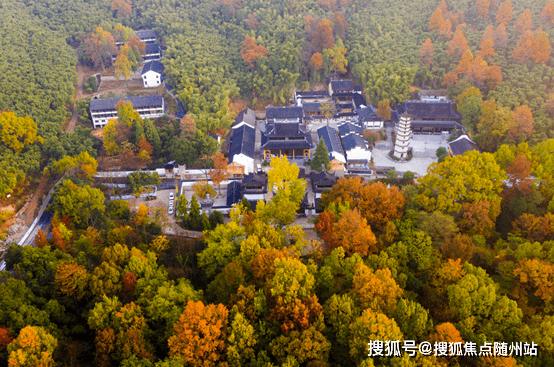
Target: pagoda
x=403, y=132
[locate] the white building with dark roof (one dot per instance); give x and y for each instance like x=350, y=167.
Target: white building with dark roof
x=334, y=147
x=102, y=110
x=152, y=74
x=241, y=149
x=152, y=51
x=357, y=150
x=146, y=35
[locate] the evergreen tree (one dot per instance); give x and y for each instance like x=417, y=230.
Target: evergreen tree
x=195, y=219
x=321, y=157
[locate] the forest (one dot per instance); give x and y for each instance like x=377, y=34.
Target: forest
x=463, y=255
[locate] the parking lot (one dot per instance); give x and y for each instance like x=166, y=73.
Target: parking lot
x=168, y=221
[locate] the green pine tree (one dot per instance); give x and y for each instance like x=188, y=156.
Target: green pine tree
x=321, y=157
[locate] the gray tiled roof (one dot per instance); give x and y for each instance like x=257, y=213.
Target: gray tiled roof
x=247, y=115
x=352, y=141
x=342, y=85
x=234, y=189
x=145, y=34
x=152, y=48
x=154, y=66
x=243, y=139
x=348, y=128
x=290, y=112
x=331, y=139
x=154, y=101
x=423, y=110
x=462, y=144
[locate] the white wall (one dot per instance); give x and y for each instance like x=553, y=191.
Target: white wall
x=246, y=161
x=358, y=153
x=151, y=79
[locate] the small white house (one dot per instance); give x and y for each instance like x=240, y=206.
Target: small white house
x=356, y=149
x=152, y=74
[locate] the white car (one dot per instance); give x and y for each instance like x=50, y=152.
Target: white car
x=170, y=210
x=171, y=197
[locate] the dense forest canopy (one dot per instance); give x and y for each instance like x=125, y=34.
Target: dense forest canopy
x=463, y=255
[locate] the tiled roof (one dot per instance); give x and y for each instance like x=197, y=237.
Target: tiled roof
x=286, y=136
x=287, y=144
x=290, y=112
x=145, y=34
x=285, y=130
x=433, y=92
x=313, y=94
x=352, y=141
x=153, y=66
x=462, y=144
x=152, y=48
x=342, y=85
x=311, y=106
x=247, y=115
x=348, y=128
x=423, y=110
x=322, y=180
x=254, y=183
x=137, y=102
x=368, y=113
x=233, y=193
x=331, y=139
x=436, y=124
x=242, y=141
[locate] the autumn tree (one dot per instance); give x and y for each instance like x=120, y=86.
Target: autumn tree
x=493, y=76
x=123, y=67
x=426, y=53
x=487, y=34
x=316, y=61
x=16, y=132
x=522, y=125
x=32, y=347
x=352, y=232
x=375, y=290
x=445, y=30
x=500, y=37
x=72, y=280
x=524, y=22
x=436, y=20
x=493, y=124
x=340, y=27
x=251, y=52
x=483, y=7
x=82, y=203
x=458, y=45
x=505, y=13
x=541, y=48
x=376, y=203
x=219, y=173
x=487, y=49
x=547, y=13
x=383, y=109
x=99, y=46
x=252, y=21
x=337, y=57
x=323, y=36
x=122, y=8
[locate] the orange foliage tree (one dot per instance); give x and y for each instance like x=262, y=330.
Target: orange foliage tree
x=541, y=48
x=252, y=21
x=446, y=29
x=200, y=333
x=494, y=76
x=524, y=22
x=535, y=277
x=488, y=34
x=426, y=53
x=547, y=13
x=323, y=36
x=317, y=61
x=445, y=332
x=500, y=37
x=251, y=52
x=483, y=7
x=340, y=27
x=353, y=233
x=487, y=49
x=122, y=8
x=383, y=109
x=376, y=290
x=188, y=127
x=524, y=50
x=5, y=338
x=535, y=229
x=458, y=45
x=505, y=12
x=523, y=124
x=219, y=173
x=376, y=203
x=478, y=217
x=72, y=280
x=460, y=247
x=34, y=346
x=436, y=20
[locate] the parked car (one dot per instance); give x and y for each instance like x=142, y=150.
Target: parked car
x=170, y=210
x=171, y=197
